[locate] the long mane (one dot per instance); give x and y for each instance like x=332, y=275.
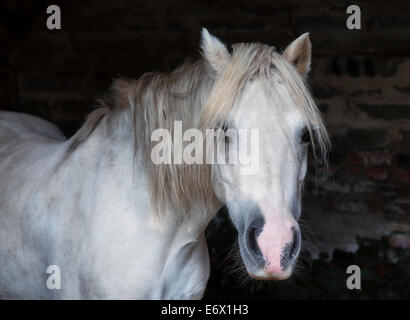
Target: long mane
x=201, y=98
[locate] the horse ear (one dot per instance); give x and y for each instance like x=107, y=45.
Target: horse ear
x=214, y=51
x=299, y=52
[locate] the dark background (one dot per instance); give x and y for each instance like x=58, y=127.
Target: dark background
x=358, y=210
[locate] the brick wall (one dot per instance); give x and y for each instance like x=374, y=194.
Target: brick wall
x=361, y=80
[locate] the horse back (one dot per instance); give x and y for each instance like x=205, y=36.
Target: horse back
x=22, y=123
x=28, y=152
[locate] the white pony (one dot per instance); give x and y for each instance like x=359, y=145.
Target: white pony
x=118, y=226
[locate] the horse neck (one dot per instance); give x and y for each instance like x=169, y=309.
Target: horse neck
x=180, y=96
x=97, y=153
x=121, y=135
x=108, y=154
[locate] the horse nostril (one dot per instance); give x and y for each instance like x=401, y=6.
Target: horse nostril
x=294, y=250
x=252, y=233
x=291, y=250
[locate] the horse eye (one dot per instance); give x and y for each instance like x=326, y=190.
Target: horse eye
x=305, y=136
x=225, y=129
